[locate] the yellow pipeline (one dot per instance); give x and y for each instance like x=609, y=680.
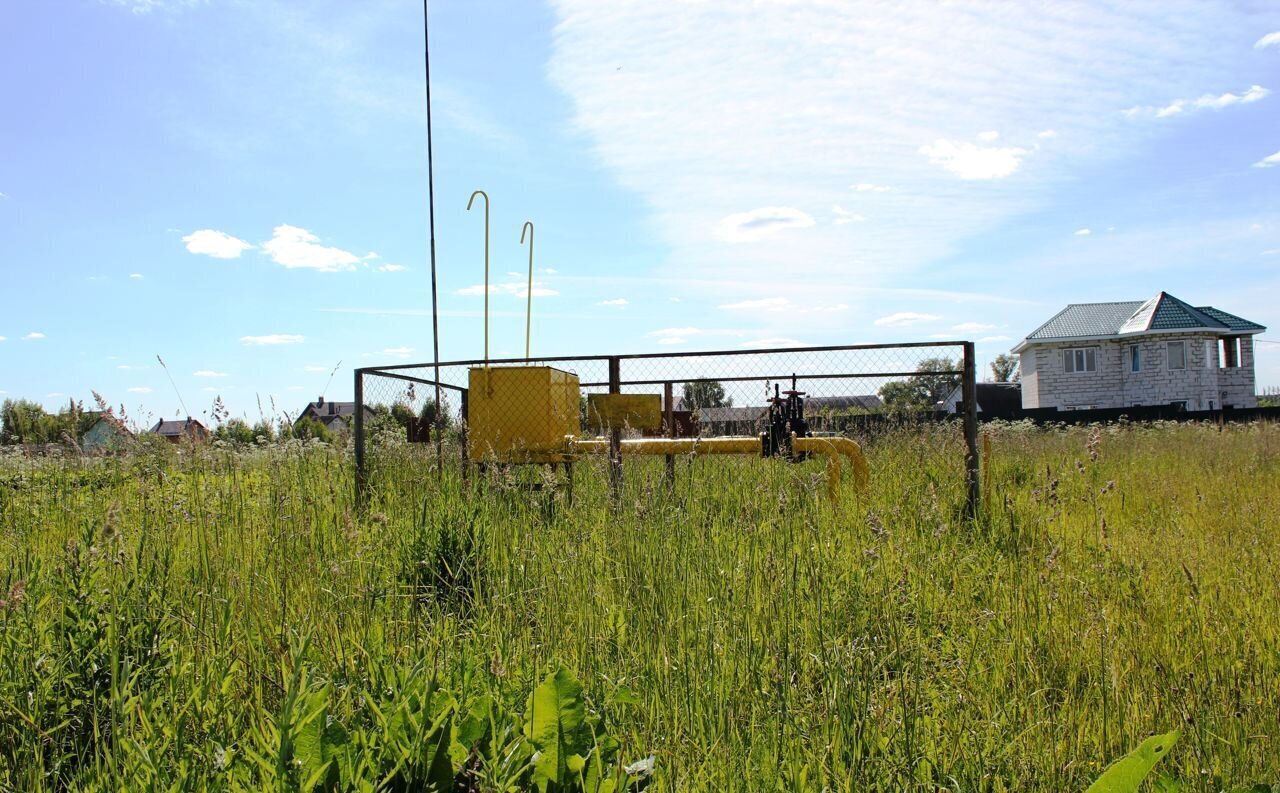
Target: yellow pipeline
x=831, y=448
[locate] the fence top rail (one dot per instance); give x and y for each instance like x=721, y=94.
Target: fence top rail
x=670, y=355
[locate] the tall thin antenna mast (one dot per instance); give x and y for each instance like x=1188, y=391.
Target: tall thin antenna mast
x=330, y=380
x=431, y=214
x=186, y=412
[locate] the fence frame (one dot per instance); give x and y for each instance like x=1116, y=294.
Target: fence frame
x=967, y=373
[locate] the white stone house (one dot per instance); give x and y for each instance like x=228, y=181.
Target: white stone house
x=1159, y=352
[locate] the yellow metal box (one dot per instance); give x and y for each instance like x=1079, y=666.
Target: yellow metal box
x=520, y=413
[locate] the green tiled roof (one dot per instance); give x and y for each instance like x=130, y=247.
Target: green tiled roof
x=1162, y=312
x=1232, y=321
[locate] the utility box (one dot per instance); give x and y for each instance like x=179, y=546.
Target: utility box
x=521, y=414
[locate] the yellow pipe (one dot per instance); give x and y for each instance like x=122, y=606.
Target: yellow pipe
x=830, y=447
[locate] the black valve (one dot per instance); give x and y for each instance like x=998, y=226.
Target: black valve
x=785, y=420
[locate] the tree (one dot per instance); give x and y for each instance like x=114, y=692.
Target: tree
x=925, y=390
x=308, y=427
x=705, y=394
x=1005, y=369
x=236, y=430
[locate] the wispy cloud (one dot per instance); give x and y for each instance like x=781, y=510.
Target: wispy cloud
x=218, y=244
x=617, y=301
x=760, y=223
x=34, y=335
x=972, y=327
x=140, y=389
x=844, y=216
x=515, y=288
x=295, y=247
x=207, y=373
x=680, y=124
x=136, y=276
x=1205, y=102
x=994, y=339
x=1269, y=40
x=780, y=304
x=392, y=352
x=391, y=268
x=905, y=318
x=273, y=339
x=1082, y=232
x=683, y=335
x=969, y=161
x=773, y=341
x=315, y=369
x=1268, y=162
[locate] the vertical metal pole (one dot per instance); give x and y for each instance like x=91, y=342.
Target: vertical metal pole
x=615, y=434
x=671, y=429
x=466, y=436
x=362, y=480
x=431, y=224
x=970, y=395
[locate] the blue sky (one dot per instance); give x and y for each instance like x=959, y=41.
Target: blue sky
x=240, y=187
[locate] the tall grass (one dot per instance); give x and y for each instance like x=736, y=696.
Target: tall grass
x=164, y=611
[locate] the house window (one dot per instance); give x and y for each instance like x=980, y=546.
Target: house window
x=1180, y=405
x=1177, y=355
x=1208, y=355
x=1230, y=352
x=1135, y=358
x=1083, y=359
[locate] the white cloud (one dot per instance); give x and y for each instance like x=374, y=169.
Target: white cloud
x=617, y=301
x=972, y=327
x=1268, y=162
x=140, y=389
x=218, y=244
x=773, y=341
x=1047, y=134
x=905, y=318
x=988, y=136
x=1269, y=40
x=680, y=124
x=273, y=338
x=1206, y=101
x=207, y=373
x=34, y=335
x=136, y=276
x=763, y=304
x=1083, y=232
x=867, y=187
x=317, y=369
x=844, y=216
x=393, y=352
x=295, y=247
x=550, y=270
x=514, y=288
x=758, y=224
x=392, y=268
x=974, y=162
x=993, y=339
x=2, y=338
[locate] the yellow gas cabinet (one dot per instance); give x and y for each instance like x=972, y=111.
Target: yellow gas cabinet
x=521, y=414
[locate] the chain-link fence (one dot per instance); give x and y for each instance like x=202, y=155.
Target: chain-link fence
x=545, y=410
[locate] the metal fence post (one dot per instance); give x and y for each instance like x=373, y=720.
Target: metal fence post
x=464, y=435
x=969, y=394
x=615, y=433
x=669, y=415
x=362, y=474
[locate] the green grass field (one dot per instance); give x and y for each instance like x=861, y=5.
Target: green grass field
x=220, y=619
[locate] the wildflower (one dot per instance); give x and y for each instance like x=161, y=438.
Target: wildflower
x=641, y=768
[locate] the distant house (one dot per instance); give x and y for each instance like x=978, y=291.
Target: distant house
x=1000, y=399
x=335, y=416
x=105, y=435
x=730, y=421
x=1159, y=352
x=177, y=429
x=821, y=413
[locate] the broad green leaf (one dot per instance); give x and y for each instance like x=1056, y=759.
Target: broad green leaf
x=440, y=774
x=1127, y=773
x=555, y=725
